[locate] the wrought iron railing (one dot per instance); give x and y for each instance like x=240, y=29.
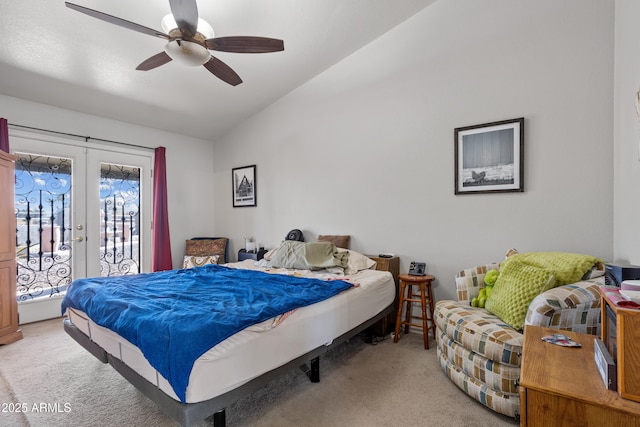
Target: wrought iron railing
x=42, y=188
x=120, y=200
x=43, y=230
x=120, y=248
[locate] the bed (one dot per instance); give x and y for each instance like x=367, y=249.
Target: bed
x=231, y=369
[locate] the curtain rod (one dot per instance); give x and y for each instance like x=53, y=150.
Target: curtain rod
x=86, y=138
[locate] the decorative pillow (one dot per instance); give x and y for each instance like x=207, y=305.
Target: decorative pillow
x=339, y=241
x=199, y=261
x=517, y=285
x=206, y=247
x=566, y=266
x=357, y=262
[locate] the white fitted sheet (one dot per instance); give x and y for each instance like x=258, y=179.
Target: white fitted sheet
x=255, y=351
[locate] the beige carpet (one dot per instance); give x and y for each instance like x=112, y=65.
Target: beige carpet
x=61, y=384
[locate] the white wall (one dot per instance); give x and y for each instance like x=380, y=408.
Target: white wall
x=189, y=161
x=366, y=148
x=627, y=133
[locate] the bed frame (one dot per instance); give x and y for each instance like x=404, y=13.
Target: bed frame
x=189, y=413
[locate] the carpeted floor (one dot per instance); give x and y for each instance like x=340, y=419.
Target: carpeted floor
x=53, y=381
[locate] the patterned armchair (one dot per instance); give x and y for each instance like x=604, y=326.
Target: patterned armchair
x=481, y=354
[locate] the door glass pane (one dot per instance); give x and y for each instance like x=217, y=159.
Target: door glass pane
x=42, y=203
x=119, y=220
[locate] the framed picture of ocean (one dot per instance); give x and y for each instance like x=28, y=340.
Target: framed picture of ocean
x=489, y=158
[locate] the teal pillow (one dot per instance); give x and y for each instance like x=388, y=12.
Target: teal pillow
x=517, y=285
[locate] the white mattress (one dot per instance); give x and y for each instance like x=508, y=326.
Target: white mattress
x=257, y=349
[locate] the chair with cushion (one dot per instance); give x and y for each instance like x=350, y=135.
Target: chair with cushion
x=480, y=348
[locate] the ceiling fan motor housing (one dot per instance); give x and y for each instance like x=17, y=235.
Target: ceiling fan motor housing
x=188, y=52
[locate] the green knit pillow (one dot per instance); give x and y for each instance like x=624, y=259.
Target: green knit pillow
x=517, y=285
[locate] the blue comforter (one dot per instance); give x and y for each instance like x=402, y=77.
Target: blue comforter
x=175, y=316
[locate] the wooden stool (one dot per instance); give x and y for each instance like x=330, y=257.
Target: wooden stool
x=424, y=297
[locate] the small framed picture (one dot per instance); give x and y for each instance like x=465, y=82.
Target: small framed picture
x=418, y=268
x=244, y=186
x=489, y=158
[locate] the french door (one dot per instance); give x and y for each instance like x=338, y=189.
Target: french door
x=80, y=212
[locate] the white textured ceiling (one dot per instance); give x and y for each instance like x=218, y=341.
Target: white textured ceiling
x=53, y=55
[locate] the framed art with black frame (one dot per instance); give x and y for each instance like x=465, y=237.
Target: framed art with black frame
x=489, y=158
x=244, y=186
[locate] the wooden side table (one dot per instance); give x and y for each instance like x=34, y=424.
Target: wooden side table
x=386, y=325
x=561, y=386
x=622, y=330
x=424, y=296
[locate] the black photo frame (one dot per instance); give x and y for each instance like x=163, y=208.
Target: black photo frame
x=489, y=158
x=244, y=186
x=418, y=268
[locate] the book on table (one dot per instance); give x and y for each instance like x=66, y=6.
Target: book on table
x=631, y=295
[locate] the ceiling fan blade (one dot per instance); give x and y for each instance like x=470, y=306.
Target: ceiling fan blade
x=154, y=62
x=245, y=44
x=117, y=21
x=185, y=12
x=222, y=71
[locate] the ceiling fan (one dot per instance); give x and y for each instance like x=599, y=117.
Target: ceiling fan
x=189, y=39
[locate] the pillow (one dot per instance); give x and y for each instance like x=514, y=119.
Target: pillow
x=270, y=253
x=199, y=261
x=517, y=285
x=566, y=266
x=206, y=247
x=357, y=262
x=596, y=271
x=339, y=241
x=308, y=256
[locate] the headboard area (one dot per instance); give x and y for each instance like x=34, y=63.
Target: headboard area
x=341, y=241
x=206, y=246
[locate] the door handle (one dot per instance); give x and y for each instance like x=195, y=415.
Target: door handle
x=78, y=239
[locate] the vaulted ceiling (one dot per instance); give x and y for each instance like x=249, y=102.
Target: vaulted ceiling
x=54, y=55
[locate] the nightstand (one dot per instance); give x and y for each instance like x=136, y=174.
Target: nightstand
x=256, y=256
x=392, y=265
x=561, y=386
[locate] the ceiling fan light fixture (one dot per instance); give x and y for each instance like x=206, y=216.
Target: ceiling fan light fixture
x=169, y=24
x=187, y=53
x=190, y=42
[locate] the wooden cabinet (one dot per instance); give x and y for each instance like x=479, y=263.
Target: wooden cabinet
x=561, y=386
x=392, y=265
x=622, y=325
x=9, y=331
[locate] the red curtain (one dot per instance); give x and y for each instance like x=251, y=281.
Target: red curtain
x=161, y=253
x=4, y=135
